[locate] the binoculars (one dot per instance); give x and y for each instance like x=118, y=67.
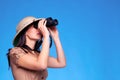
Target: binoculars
x=50, y=22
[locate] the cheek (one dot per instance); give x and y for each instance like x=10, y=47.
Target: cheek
x=33, y=33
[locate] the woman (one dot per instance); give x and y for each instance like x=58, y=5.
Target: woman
x=26, y=59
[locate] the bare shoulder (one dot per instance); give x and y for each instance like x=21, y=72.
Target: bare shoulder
x=16, y=50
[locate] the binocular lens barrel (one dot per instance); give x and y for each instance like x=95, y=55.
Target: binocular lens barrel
x=51, y=22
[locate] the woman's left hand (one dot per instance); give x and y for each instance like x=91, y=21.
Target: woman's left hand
x=53, y=32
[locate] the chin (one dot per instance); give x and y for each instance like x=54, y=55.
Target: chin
x=36, y=38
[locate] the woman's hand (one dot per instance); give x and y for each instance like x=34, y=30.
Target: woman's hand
x=42, y=27
x=53, y=32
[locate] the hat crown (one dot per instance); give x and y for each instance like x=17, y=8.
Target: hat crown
x=24, y=23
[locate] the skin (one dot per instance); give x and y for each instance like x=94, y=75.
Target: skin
x=43, y=60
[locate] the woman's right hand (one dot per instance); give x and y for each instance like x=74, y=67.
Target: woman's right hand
x=42, y=27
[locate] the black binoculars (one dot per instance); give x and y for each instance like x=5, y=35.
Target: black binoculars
x=50, y=22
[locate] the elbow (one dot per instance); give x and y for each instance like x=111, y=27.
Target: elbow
x=41, y=67
x=63, y=65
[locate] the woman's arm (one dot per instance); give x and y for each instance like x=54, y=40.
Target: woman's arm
x=60, y=61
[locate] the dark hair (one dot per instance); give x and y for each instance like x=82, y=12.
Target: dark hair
x=22, y=40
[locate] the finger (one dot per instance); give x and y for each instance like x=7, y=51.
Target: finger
x=44, y=22
x=41, y=23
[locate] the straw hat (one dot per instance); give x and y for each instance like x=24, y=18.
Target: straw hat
x=22, y=25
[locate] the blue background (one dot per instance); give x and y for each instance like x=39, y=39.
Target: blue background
x=89, y=32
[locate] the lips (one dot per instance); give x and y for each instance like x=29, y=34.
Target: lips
x=38, y=33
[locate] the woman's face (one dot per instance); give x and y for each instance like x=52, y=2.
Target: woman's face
x=33, y=33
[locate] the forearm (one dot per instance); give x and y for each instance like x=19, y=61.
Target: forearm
x=60, y=52
x=43, y=56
